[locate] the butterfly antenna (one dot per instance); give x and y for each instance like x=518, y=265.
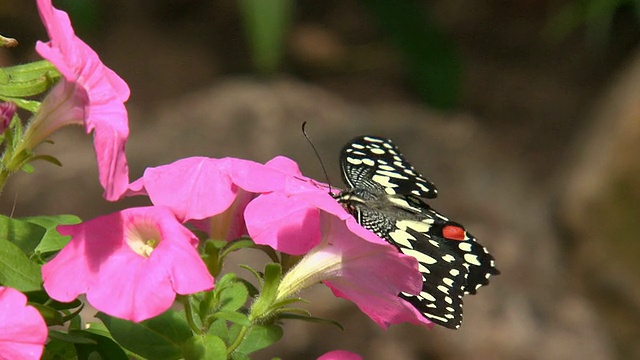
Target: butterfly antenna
x=324, y=170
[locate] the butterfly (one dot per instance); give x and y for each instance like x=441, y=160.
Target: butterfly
x=386, y=195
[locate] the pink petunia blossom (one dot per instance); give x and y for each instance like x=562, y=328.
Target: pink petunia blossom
x=340, y=355
x=358, y=266
x=193, y=188
x=131, y=264
x=22, y=329
x=95, y=97
x=200, y=191
x=295, y=215
x=286, y=214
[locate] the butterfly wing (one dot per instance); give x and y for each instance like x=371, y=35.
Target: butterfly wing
x=375, y=163
x=385, y=197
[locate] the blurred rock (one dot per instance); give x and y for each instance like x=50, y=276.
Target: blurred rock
x=600, y=209
x=531, y=311
x=316, y=46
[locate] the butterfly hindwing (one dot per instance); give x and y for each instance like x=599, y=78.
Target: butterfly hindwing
x=385, y=196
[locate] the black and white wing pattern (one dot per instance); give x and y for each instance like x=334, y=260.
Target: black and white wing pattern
x=385, y=196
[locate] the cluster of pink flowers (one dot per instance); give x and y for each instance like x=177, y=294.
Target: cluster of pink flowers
x=132, y=263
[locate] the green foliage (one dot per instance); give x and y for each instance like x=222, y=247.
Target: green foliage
x=205, y=347
x=260, y=337
x=159, y=338
x=52, y=241
x=16, y=270
x=272, y=277
x=17, y=82
x=100, y=347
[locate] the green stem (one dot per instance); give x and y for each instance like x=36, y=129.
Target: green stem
x=188, y=312
x=3, y=178
x=238, y=340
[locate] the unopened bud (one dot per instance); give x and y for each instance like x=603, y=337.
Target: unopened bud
x=8, y=42
x=7, y=110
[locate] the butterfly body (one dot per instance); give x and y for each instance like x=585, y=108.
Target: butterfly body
x=385, y=195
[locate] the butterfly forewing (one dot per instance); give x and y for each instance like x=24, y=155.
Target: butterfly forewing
x=385, y=196
x=371, y=162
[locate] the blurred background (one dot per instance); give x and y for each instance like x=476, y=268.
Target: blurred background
x=524, y=113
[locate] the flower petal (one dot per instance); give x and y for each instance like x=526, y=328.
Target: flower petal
x=373, y=275
x=287, y=224
x=22, y=329
x=340, y=355
x=118, y=280
x=104, y=112
x=193, y=188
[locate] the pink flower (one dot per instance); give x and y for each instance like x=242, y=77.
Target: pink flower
x=22, y=329
x=130, y=264
x=296, y=215
x=359, y=266
x=201, y=191
x=193, y=188
x=340, y=355
x=286, y=215
x=96, y=95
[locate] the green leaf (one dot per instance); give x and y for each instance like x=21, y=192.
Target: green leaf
x=225, y=280
x=16, y=270
x=260, y=337
x=158, y=338
x=234, y=317
x=48, y=158
x=253, y=272
x=205, y=347
x=29, y=70
x=50, y=315
x=307, y=318
x=103, y=347
x=29, y=105
x=41, y=297
x=58, y=349
x=239, y=356
x=272, y=278
x=70, y=338
x=27, y=79
x=290, y=301
x=171, y=324
x=52, y=240
x=24, y=234
x=252, y=289
x=212, y=257
x=233, y=297
x=219, y=328
x=98, y=329
x=28, y=168
x=236, y=245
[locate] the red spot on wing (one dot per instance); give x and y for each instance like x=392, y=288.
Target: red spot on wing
x=453, y=232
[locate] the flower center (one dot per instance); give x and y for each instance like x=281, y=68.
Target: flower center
x=143, y=239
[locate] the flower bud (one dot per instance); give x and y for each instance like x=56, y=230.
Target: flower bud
x=7, y=110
